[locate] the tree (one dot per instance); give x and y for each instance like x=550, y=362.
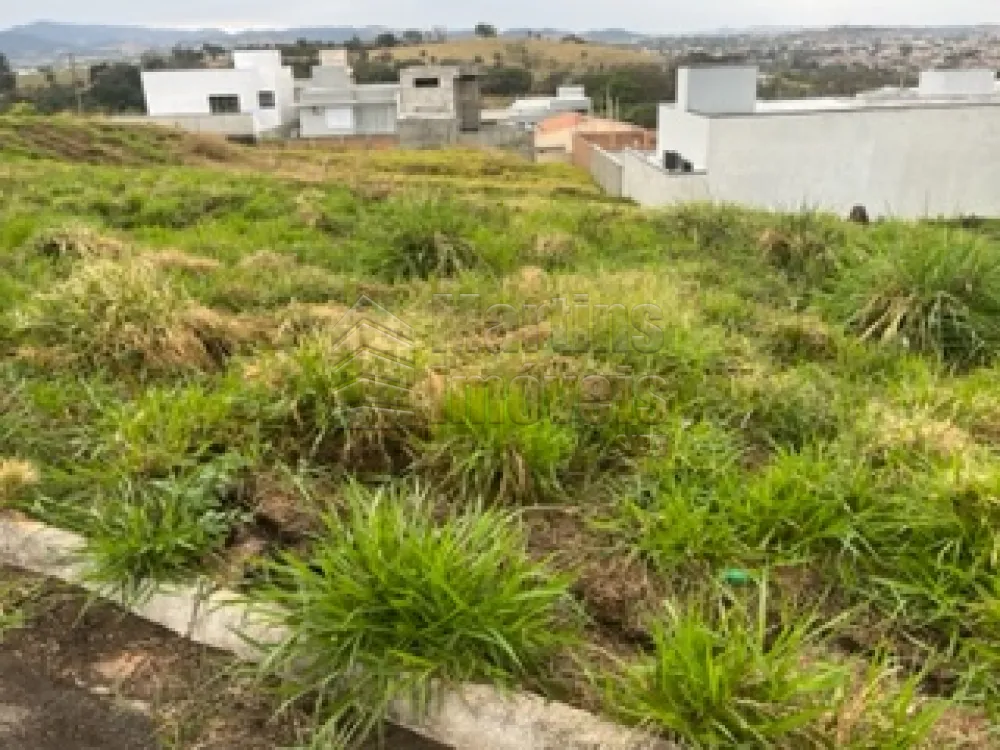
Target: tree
x=506, y=81
x=387, y=39
x=116, y=87
x=368, y=71
x=412, y=36
x=213, y=50
x=486, y=30
x=8, y=78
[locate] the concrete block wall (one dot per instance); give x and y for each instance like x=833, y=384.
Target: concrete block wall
x=428, y=133
x=607, y=171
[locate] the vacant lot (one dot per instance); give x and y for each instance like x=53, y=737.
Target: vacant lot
x=726, y=474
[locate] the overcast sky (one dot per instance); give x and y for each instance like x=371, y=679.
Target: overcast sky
x=638, y=15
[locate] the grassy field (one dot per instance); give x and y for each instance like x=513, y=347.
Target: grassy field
x=540, y=55
x=724, y=474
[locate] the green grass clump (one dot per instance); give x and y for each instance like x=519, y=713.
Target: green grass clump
x=411, y=238
x=390, y=605
x=934, y=292
x=140, y=534
x=175, y=428
x=480, y=450
x=723, y=677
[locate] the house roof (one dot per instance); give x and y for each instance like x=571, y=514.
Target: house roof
x=582, y=124
x=560, y=122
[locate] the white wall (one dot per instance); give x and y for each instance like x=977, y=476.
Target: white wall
x=650, y=185
x=186, y=92
x=899, y=161
x=717, y=90
x=684, y=132
x=606, y=170
x=957, y=82
x=280, y=81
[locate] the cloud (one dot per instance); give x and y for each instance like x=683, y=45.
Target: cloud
x=654, y=16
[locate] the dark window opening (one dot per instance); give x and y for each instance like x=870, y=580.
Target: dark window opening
x=426, y=83
x=674, y=162
x=265, y=99
x=224, y=104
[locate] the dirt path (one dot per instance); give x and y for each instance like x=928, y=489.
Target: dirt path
x=38, y=714
x=78, y=677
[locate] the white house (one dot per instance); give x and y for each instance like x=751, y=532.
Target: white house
x=527, y=112
x=332, y=104
x=254, y=98
x=929, y=151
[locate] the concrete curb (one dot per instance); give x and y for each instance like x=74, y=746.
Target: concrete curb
x=474, y=717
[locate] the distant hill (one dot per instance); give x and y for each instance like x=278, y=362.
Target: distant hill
x=44, y=41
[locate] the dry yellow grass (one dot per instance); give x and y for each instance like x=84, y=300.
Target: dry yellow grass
x=14, y=476
x=539, y=55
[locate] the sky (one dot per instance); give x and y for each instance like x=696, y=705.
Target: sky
x=651, y=16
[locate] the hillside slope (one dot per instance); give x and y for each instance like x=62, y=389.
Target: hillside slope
x=539, y=55
x=729, y=475
x=99, y=141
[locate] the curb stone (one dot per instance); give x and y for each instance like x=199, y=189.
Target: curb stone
x=472, y=717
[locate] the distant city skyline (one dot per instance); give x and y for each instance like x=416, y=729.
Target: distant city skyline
x=643, y=16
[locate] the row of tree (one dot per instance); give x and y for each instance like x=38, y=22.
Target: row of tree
x=104, y=87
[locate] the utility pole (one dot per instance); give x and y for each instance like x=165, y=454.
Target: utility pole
x=77, y=89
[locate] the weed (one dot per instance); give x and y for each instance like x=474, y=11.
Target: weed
x=389, y=606
x=126, y=317
x=481, y=451
x=880, y=709
x=145, y=533
x=936, y=292
x=723, y=677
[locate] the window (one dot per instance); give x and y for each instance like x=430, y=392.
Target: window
x=426, y=83
x=224, y=104
x=265, y=99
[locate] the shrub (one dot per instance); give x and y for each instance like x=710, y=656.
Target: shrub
x=937, y=292
x=722, y=677
x=390, y=605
